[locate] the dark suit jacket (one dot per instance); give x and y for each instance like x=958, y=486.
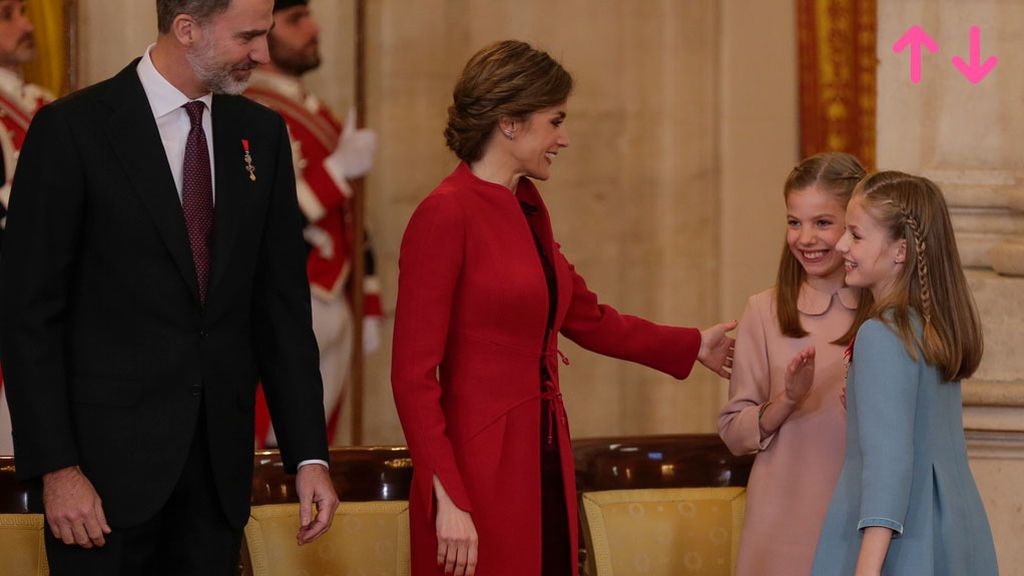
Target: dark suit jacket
x=108, y=354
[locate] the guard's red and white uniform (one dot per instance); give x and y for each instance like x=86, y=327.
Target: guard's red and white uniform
x=324, y=197
x=19, y=102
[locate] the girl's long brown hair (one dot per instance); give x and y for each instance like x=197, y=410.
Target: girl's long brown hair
x=836, y=173
x=932, y=280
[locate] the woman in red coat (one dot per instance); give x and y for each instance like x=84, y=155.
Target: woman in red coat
x=483, y=293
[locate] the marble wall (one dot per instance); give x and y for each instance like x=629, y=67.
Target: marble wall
x=683, y=128
x=633, y=200
x=111, y=34
x=758, y=128
x=670, y=192
x=965, y=137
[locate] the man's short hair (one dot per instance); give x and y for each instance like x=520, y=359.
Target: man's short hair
x=201, y=10
x=285, y=4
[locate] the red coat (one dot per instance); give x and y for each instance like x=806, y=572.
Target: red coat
x=325, y=202
x=472, y=309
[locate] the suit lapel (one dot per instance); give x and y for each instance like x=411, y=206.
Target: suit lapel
x=232, y=182
x=136, y=141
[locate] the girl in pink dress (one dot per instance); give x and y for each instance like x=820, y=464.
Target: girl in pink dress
x=784, y=394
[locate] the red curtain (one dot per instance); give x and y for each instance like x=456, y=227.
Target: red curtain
x=837, y=42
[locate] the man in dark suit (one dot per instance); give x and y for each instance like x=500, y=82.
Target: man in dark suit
x=155, y=272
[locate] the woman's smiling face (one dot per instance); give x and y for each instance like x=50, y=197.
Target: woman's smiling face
x=539, y=140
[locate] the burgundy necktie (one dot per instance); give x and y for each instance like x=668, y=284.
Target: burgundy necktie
x=197, y=196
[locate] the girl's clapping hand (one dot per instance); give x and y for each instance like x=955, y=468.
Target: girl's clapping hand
x=800, y=375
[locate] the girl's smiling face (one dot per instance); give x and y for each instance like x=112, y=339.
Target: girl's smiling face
x=815, y=222
x=873, y=260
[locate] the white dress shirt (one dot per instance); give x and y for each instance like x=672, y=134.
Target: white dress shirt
x=173, y=122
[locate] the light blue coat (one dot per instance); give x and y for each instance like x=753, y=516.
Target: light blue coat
x=905, y=469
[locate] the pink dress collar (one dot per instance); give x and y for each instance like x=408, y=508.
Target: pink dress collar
x=814, y=302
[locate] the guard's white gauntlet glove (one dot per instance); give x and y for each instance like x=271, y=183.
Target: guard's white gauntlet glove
x=354, y=154
x=371, y=334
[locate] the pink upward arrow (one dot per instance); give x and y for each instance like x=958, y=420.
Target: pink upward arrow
x=975, y=71
x=915, y=37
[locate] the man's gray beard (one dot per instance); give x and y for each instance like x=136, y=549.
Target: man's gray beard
x=214, y=77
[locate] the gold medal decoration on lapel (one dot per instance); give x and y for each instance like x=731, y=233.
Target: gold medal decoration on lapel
x=249, y=166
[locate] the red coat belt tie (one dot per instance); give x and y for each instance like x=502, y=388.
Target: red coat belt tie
x=553, y=396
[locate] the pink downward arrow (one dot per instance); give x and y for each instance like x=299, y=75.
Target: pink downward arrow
x=975, y=71
x=915, y=37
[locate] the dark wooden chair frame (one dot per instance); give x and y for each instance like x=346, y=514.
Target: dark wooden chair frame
x=385, y=473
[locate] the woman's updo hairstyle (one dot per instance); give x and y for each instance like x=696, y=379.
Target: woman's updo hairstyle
x=509, y=78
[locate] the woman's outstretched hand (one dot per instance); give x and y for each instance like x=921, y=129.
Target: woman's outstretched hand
x=456, y=535
x=716, y=348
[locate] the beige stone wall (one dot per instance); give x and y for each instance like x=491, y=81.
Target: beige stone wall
x=334, y=82
x=111, y=34
x=683, y=128
x=965, y=137
x=758, y=123
x=634, y=198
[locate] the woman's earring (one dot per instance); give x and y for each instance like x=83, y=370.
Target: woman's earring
x=510, y=134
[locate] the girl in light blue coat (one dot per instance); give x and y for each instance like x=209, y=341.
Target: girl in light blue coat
x=906, y=503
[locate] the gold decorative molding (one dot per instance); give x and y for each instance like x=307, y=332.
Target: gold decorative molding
x=838, y=76
x=56, y=34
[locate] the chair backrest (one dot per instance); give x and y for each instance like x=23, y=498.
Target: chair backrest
x=370, y=534
x=664, y=531
x=22, y=550
x=374, y=483
x=669, y=504
x=366, y=538
x=665, y=461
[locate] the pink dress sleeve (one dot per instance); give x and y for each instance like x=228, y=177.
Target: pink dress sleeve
x=750, y=385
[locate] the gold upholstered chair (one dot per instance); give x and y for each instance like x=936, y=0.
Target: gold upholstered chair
x=22, y=552
x=660, y=505
x=664, y=531
x=367, y=538
x=370, y=534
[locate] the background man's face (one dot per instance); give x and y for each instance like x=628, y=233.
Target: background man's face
x=295, y=41
x=17, y=45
